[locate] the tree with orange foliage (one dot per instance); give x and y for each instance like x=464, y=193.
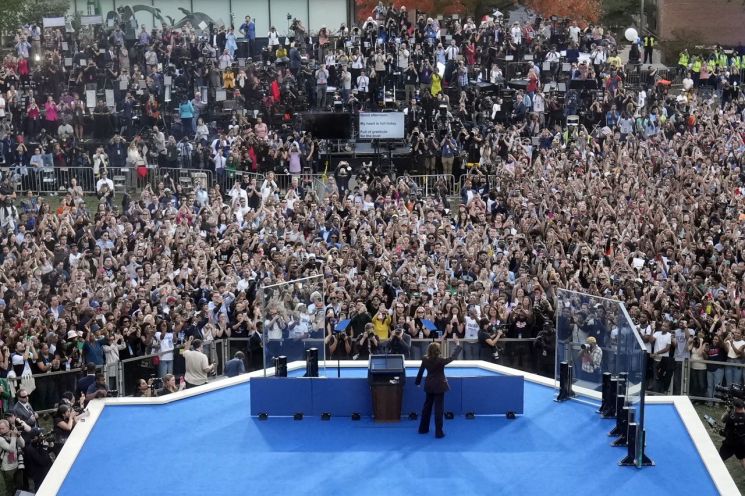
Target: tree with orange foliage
x=579, y=10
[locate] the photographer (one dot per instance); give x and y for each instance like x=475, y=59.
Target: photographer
x=488, y=336
x=63, y=421
x=11, y=444
x=36, y=459
x=734, y=432
x=366, y=344
x=591, y=356
x=400, y=342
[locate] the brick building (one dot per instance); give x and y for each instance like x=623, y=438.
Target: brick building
x=709, y=21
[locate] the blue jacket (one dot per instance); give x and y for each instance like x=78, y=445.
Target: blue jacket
x=234, y=367
x=248, y=30
x=186, y=110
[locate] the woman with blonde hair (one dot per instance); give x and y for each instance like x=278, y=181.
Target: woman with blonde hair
x=435, y=385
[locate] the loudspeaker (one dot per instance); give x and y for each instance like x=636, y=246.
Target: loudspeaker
x=242, y=52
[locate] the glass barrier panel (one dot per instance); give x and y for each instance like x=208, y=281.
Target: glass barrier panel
x=251, y=347
x=294, y=321
x=136, y=369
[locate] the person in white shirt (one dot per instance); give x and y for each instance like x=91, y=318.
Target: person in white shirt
x=241, y=209
x=452, y=51
x=104, y=181
x=237, y=192
x=574, y=33
x=165, y=338
x=662, y=342
x=220, y=162
x=225, y=60
x=268, y=187
x=495, y=75
x=517, y=34
x=272, y=39
x=539, y=106
x=735, y=346
x=363, y=82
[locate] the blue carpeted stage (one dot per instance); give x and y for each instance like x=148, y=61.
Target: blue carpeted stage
x=209, y=445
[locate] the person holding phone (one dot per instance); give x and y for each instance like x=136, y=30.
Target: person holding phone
x=435, y=385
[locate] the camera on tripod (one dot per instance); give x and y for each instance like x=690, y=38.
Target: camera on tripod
x=729, y=393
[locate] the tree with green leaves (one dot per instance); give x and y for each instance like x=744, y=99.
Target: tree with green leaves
x=14, y=13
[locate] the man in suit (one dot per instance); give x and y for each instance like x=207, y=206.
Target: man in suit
x=435, y=385
x=23, y=410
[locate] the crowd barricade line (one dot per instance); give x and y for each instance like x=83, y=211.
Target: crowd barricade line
x=430, y=185
x=45, y=390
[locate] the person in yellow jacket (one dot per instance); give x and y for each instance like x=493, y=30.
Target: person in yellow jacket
x=228, y=79
x=381, y=322
x=649, y=43
x=683, y=60
x=696, y=65
x=722, y=61
x=436, y=88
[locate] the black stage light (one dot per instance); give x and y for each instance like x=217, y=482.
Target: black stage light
x=449, y=415
x=298, y=416
x=263, y=416
x=311, y=362
x=325, y=416
x=356, y=416
x=413, y=416
x=470, y=415
x=511, y=415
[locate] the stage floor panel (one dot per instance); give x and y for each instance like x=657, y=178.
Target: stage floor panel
x=209, y=445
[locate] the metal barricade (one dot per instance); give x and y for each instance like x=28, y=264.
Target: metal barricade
x=157, y=365
x=251, y=348
x=700, y=384
x=434, y=184
x=46, y=389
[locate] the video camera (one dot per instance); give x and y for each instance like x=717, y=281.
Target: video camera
x=155, y=383
x=729, y=393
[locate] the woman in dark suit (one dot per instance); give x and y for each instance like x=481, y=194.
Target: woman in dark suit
x=435, y=385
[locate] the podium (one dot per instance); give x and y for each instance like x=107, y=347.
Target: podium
x=386, y=375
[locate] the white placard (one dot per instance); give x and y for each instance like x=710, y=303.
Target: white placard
x=110, y=99
x=93, y=20
x=83, y=62
x=202, y=25
x=441, y=69
x=53, y=22
x=220, y=96
x=123, y=85
x=381, y=125
x=167, y=81
x=90, y=98
x=64, y=46
x=68, y=61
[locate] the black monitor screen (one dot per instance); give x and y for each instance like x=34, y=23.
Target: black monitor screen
x=328, y=125
x=386, y=362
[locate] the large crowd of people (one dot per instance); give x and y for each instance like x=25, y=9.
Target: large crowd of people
x=618, y=185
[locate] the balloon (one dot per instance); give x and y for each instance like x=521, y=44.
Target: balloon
x=631, y=35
